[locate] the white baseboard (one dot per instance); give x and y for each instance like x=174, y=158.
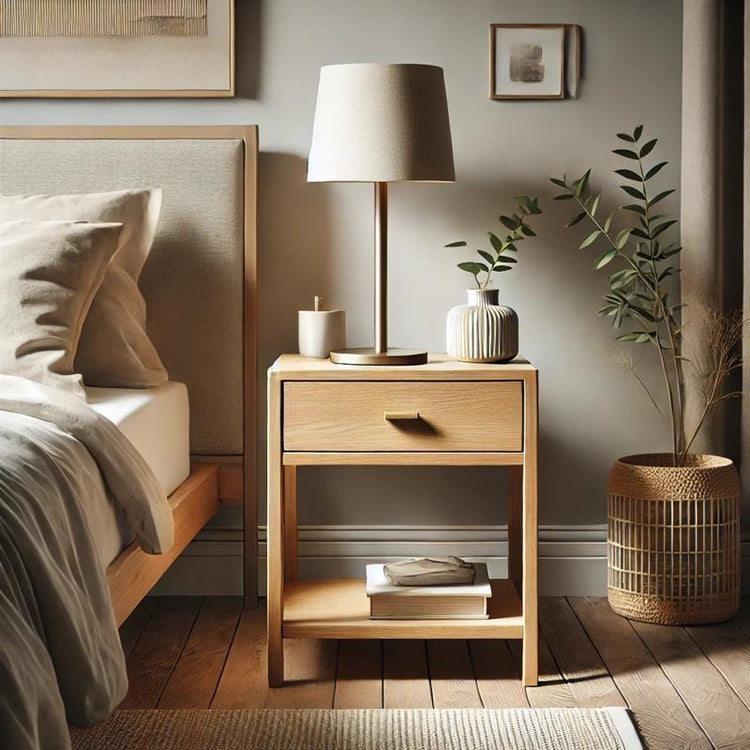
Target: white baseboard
x=572, y=559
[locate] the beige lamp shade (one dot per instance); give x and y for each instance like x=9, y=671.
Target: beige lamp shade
x=378, y=122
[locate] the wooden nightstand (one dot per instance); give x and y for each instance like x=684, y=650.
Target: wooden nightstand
x=444, y=413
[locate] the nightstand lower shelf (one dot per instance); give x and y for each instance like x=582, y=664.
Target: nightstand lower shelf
x=340, y=608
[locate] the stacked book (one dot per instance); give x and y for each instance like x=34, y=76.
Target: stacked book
x=444, y=602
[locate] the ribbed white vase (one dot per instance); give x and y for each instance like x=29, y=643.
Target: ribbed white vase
x=482, y=330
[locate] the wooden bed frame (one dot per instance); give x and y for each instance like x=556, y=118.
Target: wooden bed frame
x=212, y=481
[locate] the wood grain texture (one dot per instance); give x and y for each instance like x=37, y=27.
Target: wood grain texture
x=359, y=675
x=406, y=679
x=713, y=703
x=728, y=648
x=497, y=675
x=577, y=659
x=743, y=617
x=397, y=458
x=194, y=679
x=452, y=675
x=133, y=574
x=158, y=650
x=551, y=691
x=244, y=682
x=660, y=713
x=339, y=608
x=291, y=535
x=310, y=676
x=344, y=416
x=133, y=627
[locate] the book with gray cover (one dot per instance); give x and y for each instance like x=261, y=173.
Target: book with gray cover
x=461, y=602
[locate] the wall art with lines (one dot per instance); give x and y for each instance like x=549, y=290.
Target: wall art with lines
x=112, y=48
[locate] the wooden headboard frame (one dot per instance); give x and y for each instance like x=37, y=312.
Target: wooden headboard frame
x=237, y=481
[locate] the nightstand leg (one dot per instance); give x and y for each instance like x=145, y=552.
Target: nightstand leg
x=275, y=539
x=530, y=667
x=291, y=565
x=515, y=526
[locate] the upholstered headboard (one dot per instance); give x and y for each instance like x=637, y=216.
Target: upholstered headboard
x=200, y=279
x=202, y=265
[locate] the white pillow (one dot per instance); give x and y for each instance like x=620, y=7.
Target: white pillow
x=115, y=350
x=49, y=274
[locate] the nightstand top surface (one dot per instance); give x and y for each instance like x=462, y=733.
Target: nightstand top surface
x=439, y=366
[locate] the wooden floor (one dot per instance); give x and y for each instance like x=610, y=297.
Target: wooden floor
x=687, y=687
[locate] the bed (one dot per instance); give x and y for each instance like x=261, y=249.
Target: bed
x=197, y=432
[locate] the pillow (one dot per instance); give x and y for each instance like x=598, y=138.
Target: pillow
x=49, y=273
x=114, y=350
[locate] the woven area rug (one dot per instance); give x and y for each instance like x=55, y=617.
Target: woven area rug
x=371, y=729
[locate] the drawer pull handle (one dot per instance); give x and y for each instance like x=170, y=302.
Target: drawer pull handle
x=401, y=416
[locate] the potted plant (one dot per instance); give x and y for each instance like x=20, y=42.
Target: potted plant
x=673, y=518
x=483, y=330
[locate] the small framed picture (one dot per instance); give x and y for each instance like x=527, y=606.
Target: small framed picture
x=527, y=61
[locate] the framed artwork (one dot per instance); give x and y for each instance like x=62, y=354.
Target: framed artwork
x=116, y=48
x=527, y=61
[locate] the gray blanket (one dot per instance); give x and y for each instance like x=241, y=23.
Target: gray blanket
x=60, y=654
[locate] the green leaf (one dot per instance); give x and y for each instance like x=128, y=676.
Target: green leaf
x=512, y=247
x=472, y=267
x=622, y=238
x=647, y=148
x=625, y=137
x=672, y=251
x=655, y=169
x=590, y=239
x=496, y=242
x=635, y=208
x=563, y=197
x=509, y=259
x=509, y=223
x=659, y=197
x=581, y=183
x=662, y=228
x=632, y=336
x=608, y=222
x=628, y=174
x=557, y=181
x=632, y=192
x=486, y=256
x=605, y=258
x=637, y=132
x=460, y=243
x=627, y=153
x=595, y=204
x=640, y=233
x=528, y=231
x=576, y=219
x=502, y=268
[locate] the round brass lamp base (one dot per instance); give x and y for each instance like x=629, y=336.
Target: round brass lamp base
x=371, y=357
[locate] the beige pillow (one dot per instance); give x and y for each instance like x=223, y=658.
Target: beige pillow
x=49, y=273
x=114, y=350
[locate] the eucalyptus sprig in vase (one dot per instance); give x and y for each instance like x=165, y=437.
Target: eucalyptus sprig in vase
x=483, y=330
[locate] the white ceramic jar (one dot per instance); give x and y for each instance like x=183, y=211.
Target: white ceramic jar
x=482, y=330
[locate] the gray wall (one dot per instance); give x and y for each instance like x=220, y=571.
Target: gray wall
x=316, y=238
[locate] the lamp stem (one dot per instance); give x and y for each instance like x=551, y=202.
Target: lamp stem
x=381, y=267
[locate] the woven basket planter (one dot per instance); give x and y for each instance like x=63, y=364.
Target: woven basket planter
x=673, y=551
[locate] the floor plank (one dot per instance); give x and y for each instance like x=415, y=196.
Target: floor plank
x=194, y=679
x=662, y=717
x=498, y=678
x=452, y=675
x=158, y=650
x=577, y=659
x=713, y=703
x=132, y=629
x=743, y=617
x=406, y=679
x=728, y=648
x=359, y=675
x=310, y=675
x=551, y=690
x=243, y=683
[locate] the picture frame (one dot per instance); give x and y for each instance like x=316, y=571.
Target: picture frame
x=527, y=61
x=104, y=49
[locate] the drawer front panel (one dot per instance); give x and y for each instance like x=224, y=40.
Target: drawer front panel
x=403, y=416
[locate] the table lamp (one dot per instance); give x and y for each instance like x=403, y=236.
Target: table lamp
x=381, y=123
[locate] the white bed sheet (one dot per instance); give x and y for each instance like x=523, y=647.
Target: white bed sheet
x=157, y=423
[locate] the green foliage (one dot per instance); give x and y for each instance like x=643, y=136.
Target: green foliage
x=499, y=257
x=639, y=298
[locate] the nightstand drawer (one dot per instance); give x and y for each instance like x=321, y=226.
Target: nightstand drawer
x=370, y=416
